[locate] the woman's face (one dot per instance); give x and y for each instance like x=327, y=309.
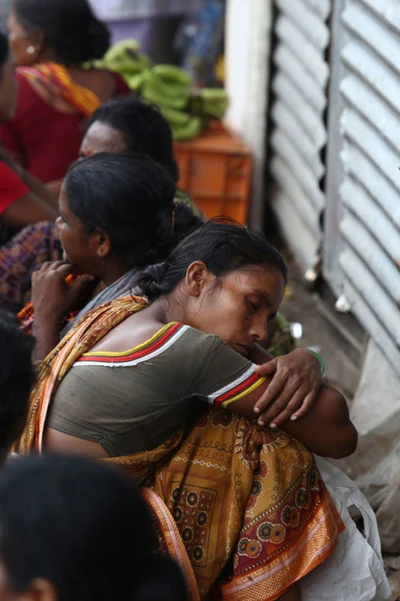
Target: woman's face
x=73, y=236
x=20, y=41
x=238, y=306
x=8, y=91
x=101, y=137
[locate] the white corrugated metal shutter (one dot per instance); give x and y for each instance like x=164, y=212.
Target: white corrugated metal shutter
x=299, y=133
x=370, y=154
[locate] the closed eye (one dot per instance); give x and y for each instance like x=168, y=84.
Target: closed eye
x=253, y=307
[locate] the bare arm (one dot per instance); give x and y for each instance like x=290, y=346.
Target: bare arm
x=48, y=195
x=55, y=188
x=295, y=380
x=326, y=429
x=27, y=209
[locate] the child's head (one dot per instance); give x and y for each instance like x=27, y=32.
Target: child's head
x=72, y=529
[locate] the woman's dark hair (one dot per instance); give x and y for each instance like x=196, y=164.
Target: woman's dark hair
x=131, y=198
x=70, y=28
x=17, y=376
x=223, y=247
x=144, y=128
x=3, y=50
x=85, y=528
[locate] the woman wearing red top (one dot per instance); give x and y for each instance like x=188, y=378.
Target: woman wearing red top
x=50, y=40
x=23, y=200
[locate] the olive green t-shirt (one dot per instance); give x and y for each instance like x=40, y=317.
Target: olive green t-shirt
x=135, y=400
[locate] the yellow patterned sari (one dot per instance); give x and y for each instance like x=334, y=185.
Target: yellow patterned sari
x=243, y=509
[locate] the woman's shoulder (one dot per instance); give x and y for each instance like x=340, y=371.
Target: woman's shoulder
x=26, y=92
x=30, y=102
x=121, y=87
x=130, y=341
x=106, y=82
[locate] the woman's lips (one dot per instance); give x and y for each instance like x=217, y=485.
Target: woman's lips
x=244, y=349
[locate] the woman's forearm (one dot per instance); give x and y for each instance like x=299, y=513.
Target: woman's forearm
x=326, y=430
x=47, y=336
x=46, y=194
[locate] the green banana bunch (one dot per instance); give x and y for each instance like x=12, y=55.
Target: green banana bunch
x=167, y=86
x=120, y=50
x=125, y=58
x=211, y=103
x=192, y=129
x=183, y=125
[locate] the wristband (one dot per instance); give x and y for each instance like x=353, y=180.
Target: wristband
x=320, y=360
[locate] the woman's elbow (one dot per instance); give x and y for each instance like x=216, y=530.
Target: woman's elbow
x=345, y=443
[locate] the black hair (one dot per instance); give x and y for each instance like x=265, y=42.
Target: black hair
x=223, y=247
x=84, y=527
x=131, y=198
x=70, y=28
x=3, y=50
x=17, y=376
x=143, y=127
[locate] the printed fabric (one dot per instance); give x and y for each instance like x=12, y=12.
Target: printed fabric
x=55, y=79
x=249, y=503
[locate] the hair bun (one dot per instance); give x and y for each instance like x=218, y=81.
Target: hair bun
x=151, y=279
x=98, y=39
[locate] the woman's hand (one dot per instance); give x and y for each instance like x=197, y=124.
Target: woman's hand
x=52, y=298
x=296, y=381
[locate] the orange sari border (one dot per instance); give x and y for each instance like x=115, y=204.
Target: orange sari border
x=171, y=541
x=270, y=584
x=242, y=508
x=56, y=80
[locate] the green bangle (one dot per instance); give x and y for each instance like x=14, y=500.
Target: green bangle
x=320, y=360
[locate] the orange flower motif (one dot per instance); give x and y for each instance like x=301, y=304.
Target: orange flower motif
x=278, y=533
x=249, y=548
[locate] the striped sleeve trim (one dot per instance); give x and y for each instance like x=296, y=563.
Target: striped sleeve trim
x=157, y=345
x=237, y=389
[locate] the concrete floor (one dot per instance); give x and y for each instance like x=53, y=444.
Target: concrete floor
x=338, y=338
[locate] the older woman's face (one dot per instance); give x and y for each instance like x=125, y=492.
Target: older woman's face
x=101, y=137
x=8, y=91
x=238, y=306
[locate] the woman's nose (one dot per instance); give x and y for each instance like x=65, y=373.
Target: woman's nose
x=58, y=222
x=259, y=330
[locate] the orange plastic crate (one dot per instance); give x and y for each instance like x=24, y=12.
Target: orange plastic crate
x=215, y=169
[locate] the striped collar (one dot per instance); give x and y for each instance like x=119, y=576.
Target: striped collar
x=156, y=345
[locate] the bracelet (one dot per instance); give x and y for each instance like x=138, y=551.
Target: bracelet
x=320, y=360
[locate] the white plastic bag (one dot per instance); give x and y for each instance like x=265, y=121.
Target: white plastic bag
x=354, y=572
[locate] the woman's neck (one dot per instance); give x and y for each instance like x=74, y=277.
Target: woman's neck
x=113, y=272
x=47, y=56
x=168, y=308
